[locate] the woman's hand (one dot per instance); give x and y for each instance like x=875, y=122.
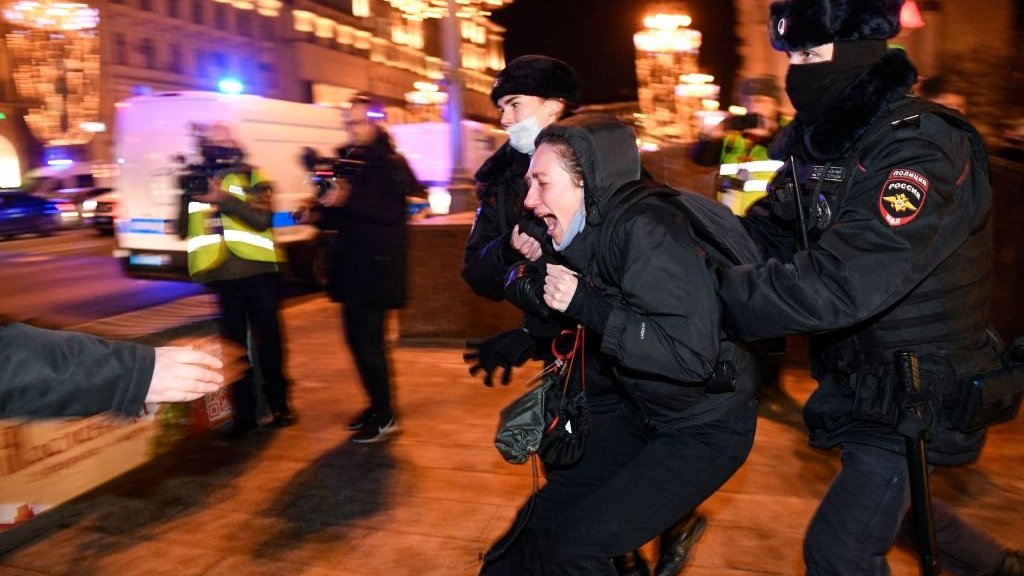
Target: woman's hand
x=525, y=244
x=559, y=287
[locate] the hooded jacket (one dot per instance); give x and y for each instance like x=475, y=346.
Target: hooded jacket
x=896, y=201
x=659, y=315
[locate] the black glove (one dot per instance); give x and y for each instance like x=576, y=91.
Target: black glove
x=524, y=287
x=503, y=350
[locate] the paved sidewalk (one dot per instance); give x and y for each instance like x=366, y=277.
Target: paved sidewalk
x=305, y=500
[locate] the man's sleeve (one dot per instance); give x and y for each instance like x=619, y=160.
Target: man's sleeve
x=900, y=221
x=53, y=373
x=488, y=254
x=666, y=320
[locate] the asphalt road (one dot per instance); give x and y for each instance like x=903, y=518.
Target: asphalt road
x=70, y=279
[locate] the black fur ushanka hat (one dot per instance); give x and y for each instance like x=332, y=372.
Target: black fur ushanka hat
x=800, y=24
x=536, y=75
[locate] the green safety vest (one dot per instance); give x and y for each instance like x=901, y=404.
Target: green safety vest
x=213, y=235
x=744, y=173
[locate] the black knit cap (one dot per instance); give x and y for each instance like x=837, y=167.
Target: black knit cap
x=536, y=75
x=801, y=24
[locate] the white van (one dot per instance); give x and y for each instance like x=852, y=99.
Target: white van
x=156, y=136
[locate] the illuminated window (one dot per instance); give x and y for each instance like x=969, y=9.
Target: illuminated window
x=198, y=15
x=267, y=28
x=120, y=49
x=175, y=63
x=220, y=16
x=361, y=8
x=147, y=48
x=244, y=23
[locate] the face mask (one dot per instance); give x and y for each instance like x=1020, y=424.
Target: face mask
x=814, y=88
x=579, y=220
x=522, y=135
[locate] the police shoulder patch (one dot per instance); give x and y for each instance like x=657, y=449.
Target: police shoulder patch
x=902, y=197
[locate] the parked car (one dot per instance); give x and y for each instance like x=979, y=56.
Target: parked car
x=71, y=188
x=104, y=209
x=23, y=213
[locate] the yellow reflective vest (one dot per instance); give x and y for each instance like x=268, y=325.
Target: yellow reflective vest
x=744, y=173
x=213, y=235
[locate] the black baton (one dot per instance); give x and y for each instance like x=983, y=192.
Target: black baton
x=917, y=465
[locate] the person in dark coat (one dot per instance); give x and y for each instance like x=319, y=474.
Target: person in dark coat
x=888, y=248
x=61, y=373
x=367, y=262
x=660, y=439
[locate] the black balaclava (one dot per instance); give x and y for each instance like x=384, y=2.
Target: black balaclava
x=814, y=88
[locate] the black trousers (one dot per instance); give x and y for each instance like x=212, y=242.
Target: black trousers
x=630, y=485
x=364, y=330
x=252, y=304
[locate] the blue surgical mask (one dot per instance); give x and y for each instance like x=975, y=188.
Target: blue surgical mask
x=522, y=135
x=579, y=220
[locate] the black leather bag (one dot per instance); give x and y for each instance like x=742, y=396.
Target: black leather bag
x=552, y=418
x=522, y=423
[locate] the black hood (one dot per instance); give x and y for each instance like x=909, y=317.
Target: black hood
x=607, y=151
x=888, y=80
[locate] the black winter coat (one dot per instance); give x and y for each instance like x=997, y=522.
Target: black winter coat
x=659, y=317
x=51, y=373
x=368, y=256
x=500, y=189
x=897, y=200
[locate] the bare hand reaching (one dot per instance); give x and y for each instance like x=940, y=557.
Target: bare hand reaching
x=183, y=374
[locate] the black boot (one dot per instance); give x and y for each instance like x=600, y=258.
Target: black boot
x=677, y=542
x=1013, y=564
x=631, y=564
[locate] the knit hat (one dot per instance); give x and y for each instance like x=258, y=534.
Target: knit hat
x=801, y=24
x=536, y=75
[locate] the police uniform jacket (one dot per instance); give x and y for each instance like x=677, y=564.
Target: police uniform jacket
x=895, y=196
x=657, y=321
x=51, y=373
x=500, y=190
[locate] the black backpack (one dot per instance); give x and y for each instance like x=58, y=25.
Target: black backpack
x=714, y=229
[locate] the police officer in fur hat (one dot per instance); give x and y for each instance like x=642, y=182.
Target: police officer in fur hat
x=879, y=238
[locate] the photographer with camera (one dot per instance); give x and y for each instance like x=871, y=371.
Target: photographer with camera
x=739, y=145
x=362, y=196
x=231, y=250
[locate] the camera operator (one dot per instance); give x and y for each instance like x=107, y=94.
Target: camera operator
x=231, y=250
x=367, y=262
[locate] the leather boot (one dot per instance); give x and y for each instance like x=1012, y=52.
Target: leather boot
x=677, y=542
x=631, y=564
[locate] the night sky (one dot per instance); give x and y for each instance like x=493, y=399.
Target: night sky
x=596, y=38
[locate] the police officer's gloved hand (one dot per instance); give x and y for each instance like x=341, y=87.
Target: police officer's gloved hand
x=505, y=351
x=524, y=287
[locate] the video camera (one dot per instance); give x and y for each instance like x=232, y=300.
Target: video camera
x=194, y=180
x=324, y=171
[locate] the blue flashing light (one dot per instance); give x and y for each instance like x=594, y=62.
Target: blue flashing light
x=60, y=162
x=230, y=86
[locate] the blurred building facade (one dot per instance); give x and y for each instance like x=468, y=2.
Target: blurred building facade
x=307, y=51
